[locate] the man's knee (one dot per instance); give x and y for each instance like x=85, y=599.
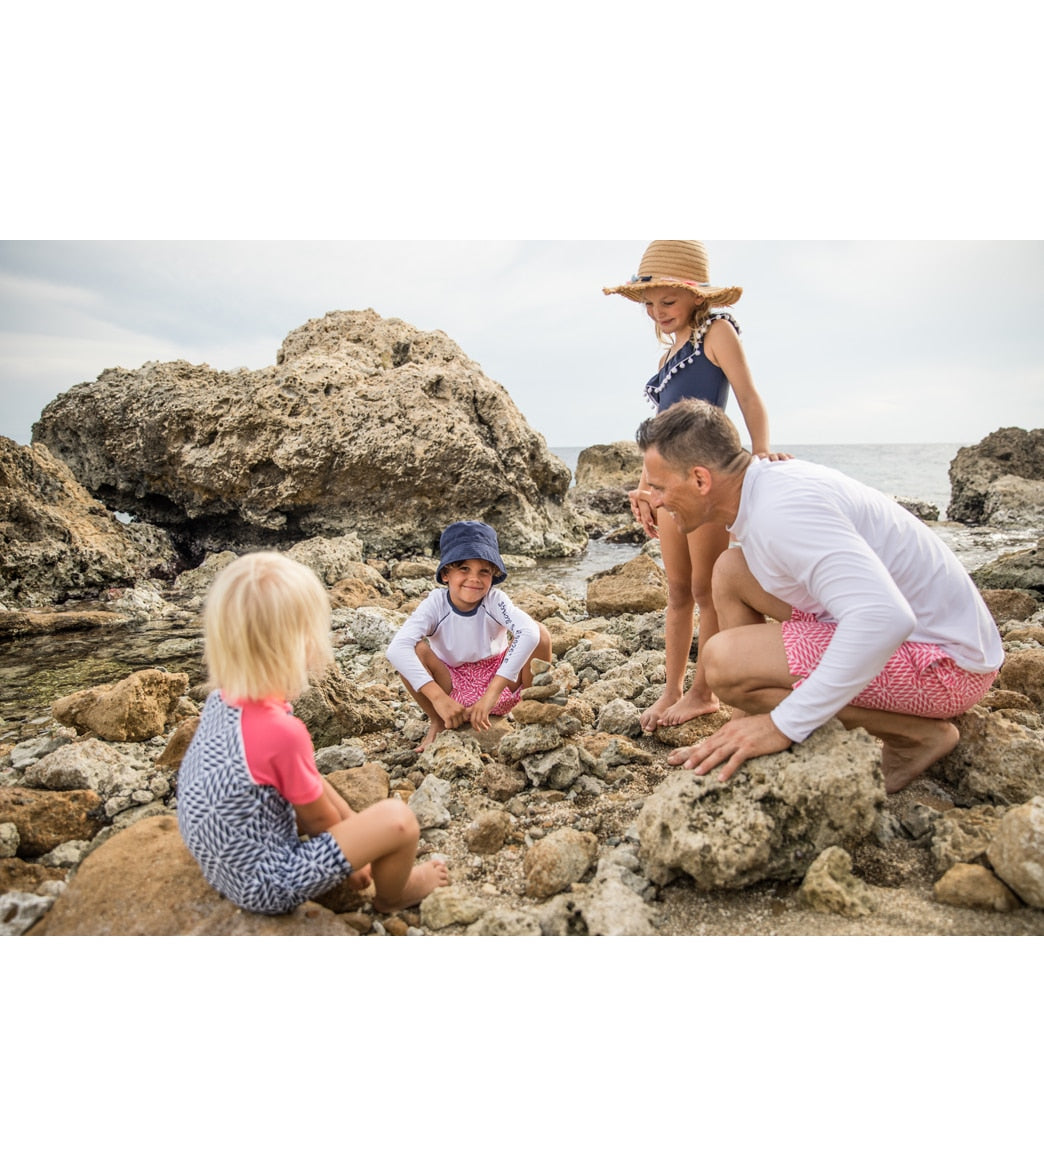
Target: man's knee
x=716, y=659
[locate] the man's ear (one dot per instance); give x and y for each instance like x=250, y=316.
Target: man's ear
x=702, y=477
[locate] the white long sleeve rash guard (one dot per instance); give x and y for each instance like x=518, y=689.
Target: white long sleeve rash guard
x=459, y=637
x=830, y=546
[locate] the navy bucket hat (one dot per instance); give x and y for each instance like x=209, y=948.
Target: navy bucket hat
x=470, y=539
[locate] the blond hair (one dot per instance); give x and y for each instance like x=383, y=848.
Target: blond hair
x=266, y=627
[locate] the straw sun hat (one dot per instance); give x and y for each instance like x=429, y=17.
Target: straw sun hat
x=676, y=263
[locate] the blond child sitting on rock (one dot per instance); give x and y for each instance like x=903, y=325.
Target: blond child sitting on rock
x=248, y=787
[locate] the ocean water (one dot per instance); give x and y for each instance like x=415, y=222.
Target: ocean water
x=911, y=470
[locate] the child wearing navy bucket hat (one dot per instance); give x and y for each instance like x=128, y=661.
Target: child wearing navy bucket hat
x=466, y=652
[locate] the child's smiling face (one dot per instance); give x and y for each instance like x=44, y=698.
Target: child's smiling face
x=468, y=582
x=670, y=308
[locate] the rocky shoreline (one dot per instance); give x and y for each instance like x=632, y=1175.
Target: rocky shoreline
x=552, y=823
x=564, y=819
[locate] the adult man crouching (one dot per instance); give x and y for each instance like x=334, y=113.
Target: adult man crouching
x=880, y=625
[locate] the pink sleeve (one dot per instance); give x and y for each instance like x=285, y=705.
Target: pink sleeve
x=279, y=752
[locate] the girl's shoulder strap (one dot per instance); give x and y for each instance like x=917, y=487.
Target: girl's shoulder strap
x=714, y=316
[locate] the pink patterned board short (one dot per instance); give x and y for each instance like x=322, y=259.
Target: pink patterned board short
x=918, y=679
x=471, y=680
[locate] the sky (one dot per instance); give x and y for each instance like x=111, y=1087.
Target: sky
x=848, y=341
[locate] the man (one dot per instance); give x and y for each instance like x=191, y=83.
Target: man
x=880, y=625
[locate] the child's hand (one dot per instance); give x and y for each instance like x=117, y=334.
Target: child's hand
x=450, y=711
x=478, y=716
x=643, y=512
x=360, y=879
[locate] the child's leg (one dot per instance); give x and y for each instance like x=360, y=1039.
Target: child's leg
x=385, y=836
x=440, y=672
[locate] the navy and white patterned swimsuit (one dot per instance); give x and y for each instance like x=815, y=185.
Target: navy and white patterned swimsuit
x=244, y=835
x=690, y=375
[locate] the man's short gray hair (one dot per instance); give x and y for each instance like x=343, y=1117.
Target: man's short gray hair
x=693, y=433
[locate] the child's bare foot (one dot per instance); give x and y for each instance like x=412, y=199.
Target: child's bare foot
x=689, y=707
x=671, y=710
x=422, y=881
x=434, y=731
x=904, y=759
x=652, y=718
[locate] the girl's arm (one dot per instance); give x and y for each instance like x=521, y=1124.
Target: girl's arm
x=323, y=813
x=722, y=346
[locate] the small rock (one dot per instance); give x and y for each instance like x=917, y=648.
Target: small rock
x=558, y=860
x=448, y=905
x=976, y=887
x=831, y=886
x=488, y=831
x=1017, y=851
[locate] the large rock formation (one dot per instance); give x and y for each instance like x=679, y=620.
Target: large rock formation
x=770, y=820
x=56, y=540
x=1000, y=480
x=363, y=424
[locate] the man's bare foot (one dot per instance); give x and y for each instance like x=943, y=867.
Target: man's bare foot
x=434, y=731
x=904, y=759
x=422, y=881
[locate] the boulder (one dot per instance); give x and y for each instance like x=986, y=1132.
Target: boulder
x=129, y=711
x=45, y=820
x=30, y=622
x=830, y=886
x=1023, y=672
x=999, y=479
x=450, y=905
x=561, y=858
x=57, y=541
x=362, y=786
x=976, y=887
x=638, y=586
x=143, y=881
x=927, y=512
x=997, y=761
x=488, y=831
x=769, y=820
x=363, y=425
x=1020, y=570
x=618, y=465
x=1010, y=604
x=1017, y=851
x=334, y=708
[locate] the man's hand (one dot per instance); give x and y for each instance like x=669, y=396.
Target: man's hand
x=732, y=745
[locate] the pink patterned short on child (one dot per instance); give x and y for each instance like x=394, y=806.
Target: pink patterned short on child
x=918, y=679
x=471, y=680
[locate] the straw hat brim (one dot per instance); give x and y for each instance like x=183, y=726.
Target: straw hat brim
x=710, y=295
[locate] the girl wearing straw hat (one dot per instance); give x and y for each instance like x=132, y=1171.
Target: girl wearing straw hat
x=704, y=358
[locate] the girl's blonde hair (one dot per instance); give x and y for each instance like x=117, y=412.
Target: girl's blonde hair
x=266, y=627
